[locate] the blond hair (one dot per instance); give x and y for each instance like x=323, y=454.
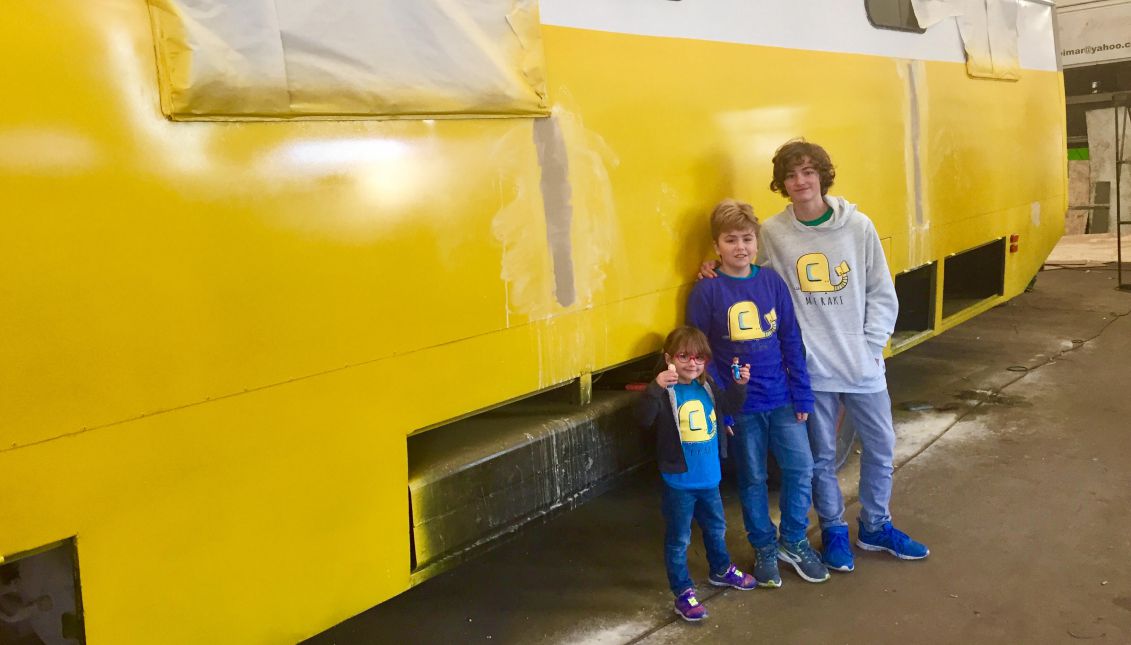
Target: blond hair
x=733, y=215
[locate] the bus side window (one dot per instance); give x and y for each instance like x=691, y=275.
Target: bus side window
x=892, y=14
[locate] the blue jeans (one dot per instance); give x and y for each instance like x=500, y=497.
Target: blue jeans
x=871, y=416
x=754, y=436
x=705, y=505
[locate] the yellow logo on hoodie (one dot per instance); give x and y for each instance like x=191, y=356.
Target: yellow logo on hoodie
x=746, y=324
x=814, y=276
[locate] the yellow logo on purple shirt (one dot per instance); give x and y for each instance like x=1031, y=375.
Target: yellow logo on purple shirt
x=746, y=324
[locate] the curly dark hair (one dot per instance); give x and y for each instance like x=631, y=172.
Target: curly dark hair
x=793, y=154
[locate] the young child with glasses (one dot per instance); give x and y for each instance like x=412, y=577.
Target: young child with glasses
x=682, y=404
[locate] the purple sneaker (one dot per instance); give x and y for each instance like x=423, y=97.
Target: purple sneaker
x=732, y=577
x=688, y=607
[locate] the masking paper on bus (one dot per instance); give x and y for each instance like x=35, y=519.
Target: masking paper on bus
x=286, y=59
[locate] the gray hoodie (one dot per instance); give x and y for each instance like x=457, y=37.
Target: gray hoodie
x=842, y=292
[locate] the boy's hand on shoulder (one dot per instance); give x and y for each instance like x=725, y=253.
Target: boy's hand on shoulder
x=743, y=375
x=707, y=269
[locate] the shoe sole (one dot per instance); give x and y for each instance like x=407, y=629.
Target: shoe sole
x=686, y=617
x=901, y=556
x=727, y=584
x=799, y=571
x=848, y=569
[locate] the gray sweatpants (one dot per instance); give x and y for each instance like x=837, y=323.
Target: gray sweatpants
x=871, y=415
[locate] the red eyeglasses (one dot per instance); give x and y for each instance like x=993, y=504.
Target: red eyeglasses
x=684, y=357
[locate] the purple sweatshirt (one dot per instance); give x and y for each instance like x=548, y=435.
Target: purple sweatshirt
x=753, y=318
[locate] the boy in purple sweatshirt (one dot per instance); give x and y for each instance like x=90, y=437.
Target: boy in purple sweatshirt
x=747, y=314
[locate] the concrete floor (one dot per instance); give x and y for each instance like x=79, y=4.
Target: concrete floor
x=1018, y=476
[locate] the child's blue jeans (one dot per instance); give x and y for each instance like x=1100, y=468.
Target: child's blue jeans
x=755, y=435
x=705, y=505
x=871, y=416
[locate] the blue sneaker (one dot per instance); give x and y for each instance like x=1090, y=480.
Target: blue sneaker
x=766, y=566
x=688, y=606
x=804, y=559
x=733, y=578
x=892, y=540
x=836, y=551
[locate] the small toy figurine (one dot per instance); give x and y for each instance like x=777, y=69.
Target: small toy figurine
x=734, y=368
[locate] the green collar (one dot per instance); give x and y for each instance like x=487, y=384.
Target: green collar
x=822, y=219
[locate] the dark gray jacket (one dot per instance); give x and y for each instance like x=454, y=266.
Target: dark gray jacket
x=656, y=408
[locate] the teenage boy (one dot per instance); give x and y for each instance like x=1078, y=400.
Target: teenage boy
x=830, y=255
x=747, y=315
x=845, y=299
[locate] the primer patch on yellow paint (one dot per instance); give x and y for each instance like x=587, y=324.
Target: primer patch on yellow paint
x=520, y=227
x=595, y=231
x=915, y=159
x=556, y=196
x=558, y=227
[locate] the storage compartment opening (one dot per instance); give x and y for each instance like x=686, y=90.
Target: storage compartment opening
x=915, y=290
x=479, y=478
x=40, y=601
x=973, y=276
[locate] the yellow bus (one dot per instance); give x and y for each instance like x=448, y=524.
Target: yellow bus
x=251, y=248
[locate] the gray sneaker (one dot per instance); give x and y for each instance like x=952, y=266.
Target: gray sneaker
x=766, y=566
x=804, y=559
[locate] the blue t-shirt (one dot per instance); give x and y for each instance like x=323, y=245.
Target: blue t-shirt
x=752, y=318
x=698, y=432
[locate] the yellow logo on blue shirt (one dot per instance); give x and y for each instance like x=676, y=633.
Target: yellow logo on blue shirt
x=814, y=275
x=695, y=425
x=746, y=324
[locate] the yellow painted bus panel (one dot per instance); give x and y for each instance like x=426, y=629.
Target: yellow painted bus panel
x=217, y=336
x=245, y=520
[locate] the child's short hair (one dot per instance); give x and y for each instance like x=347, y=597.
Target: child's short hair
x=732, y=215
x=687, y=339
x=793, y=154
